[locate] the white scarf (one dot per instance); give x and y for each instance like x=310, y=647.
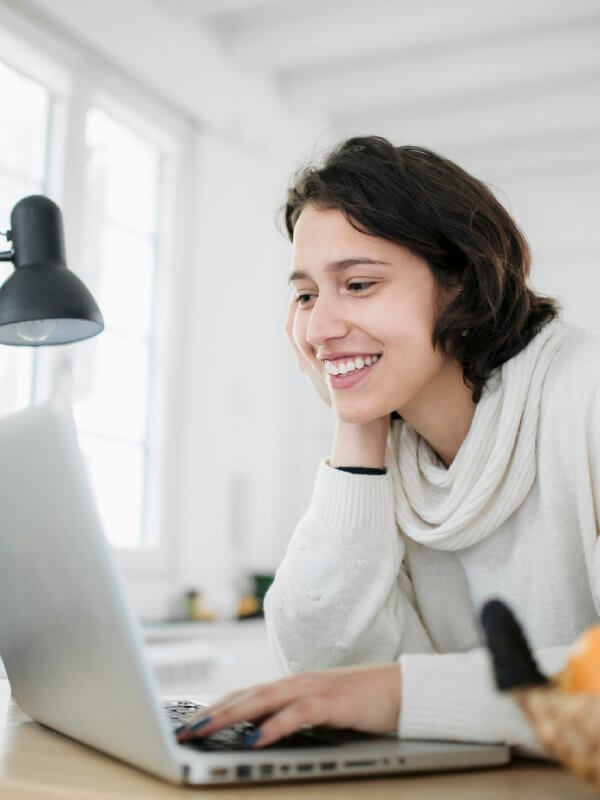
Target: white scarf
x=449, y=509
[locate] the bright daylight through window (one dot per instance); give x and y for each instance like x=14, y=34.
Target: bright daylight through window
x=109, y=377
x=24, y=113
x=111, y=389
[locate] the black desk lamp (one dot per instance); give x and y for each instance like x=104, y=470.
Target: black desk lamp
x=42, y=302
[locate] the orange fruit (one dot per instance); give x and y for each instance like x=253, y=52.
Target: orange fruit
x=582, y=672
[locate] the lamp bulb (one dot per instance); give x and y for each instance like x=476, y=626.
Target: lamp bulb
x=36, y=330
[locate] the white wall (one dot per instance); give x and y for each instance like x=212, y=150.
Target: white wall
x=560, y=213
x=231, y=386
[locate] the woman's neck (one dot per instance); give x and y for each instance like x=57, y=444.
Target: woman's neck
x=443, y=412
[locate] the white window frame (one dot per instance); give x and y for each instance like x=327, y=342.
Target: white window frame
x=78, y=81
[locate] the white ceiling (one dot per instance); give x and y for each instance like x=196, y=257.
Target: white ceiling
x=460, y=75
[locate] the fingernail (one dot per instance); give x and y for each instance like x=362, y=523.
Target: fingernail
x=179, y=729
x=200, y=723
x=252, y=738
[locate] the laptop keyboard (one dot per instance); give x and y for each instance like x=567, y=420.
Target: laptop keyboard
x=233, y=738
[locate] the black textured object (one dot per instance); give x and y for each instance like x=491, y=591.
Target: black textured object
x=514, y=664
x=42, y=288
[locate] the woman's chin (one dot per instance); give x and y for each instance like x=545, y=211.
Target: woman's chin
x=357, y=416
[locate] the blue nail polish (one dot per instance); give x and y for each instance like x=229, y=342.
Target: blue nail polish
x=179, y=729
x=252, y=738
x=200, y=723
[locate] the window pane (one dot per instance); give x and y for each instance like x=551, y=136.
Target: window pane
x=24, y=110
x=11, y=191
x=117, y=475
x=125, y=281
x=122, y=173
x=112, y=373
x=23, y=124
x=110, y=392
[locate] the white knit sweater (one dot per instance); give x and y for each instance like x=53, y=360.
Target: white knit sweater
x=397, y=566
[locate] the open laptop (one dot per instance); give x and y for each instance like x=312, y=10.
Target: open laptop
x=74, y=652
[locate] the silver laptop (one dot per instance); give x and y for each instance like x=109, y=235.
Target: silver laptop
x=74, y=652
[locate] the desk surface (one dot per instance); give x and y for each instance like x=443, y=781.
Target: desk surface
x=36, y=763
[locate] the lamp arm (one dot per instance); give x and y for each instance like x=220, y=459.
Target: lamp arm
x=7, y=255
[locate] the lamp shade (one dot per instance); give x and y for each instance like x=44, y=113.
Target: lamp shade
x=42, y=302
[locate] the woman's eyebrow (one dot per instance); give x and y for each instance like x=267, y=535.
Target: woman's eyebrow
x=336, y=266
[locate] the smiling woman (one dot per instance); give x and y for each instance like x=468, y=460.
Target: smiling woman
x=464, y=462
x=391, y=316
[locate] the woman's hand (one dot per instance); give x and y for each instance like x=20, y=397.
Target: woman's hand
x=307, y=361
x=360, y=445
x=363, y=698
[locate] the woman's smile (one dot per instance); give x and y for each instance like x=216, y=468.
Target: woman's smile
x=346, y=373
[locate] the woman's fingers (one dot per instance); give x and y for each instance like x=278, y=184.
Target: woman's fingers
x=289, y=329
x=366, y=698
x=291, y=313
x=307, y=361
x=305, y=711
x=196, y=721
x=250, y=704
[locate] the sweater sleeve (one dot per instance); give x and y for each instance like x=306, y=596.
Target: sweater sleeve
x=453, y=696
x=341, y=595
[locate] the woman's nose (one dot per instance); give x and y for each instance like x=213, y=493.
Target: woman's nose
x=326, y=322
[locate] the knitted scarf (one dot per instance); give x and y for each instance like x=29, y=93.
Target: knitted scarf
x=494, y=469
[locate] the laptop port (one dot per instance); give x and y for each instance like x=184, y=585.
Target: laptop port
x=284, y=767
x=328, y=765
x=266, y=769
x=363, y=763
x=219, y=772
x=243, y=771
x=304, y=767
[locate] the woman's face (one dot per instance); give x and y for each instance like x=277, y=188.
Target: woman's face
x=359, y=295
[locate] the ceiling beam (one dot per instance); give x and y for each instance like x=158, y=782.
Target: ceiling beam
x=426, y=79
x=198, y=9
x=297, y=39
x=475, y=122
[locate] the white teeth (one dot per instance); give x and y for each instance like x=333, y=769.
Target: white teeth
x=343, y=367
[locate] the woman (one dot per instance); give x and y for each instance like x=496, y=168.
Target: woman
x=465, y=463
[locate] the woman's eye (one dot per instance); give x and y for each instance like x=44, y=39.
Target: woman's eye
x=303, y=299
x=360, y=286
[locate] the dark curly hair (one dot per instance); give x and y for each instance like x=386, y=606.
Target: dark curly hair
x=425, y=202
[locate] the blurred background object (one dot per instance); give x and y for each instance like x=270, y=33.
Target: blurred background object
x=167, y=131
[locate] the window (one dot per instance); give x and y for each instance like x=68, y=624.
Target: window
x=103, y=151
x=112, y=372
x=24, y=128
